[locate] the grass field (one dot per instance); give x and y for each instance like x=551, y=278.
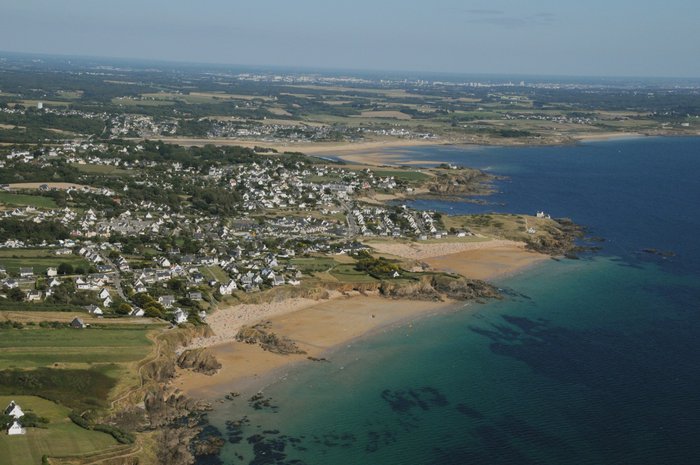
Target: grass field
x=106, y=170
x=216, y=272
x=39, y=259
x=313, y=264
x=409, y=176
x=348, y=274
x=61, y=437
x=504, y=226
x=24, y=200
x=33, y=347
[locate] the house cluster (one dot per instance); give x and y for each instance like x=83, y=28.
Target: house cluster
x=140, y=125
x=400, y=132
x=277, y=131
x=377, y=221
x=561, y=119
x=15, y=412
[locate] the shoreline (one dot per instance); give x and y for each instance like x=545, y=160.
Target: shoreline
x=323, y=327
x=377, y=155
x=331, y=148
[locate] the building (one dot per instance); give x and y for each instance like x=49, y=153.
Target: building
x=26, y=272
x=77, y=323
x=94, y=310
x=14, y=410
x=180, y=316
x=16, y=429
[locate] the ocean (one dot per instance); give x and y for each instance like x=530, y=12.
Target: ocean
x=588, y=361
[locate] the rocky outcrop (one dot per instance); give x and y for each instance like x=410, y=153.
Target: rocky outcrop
x=559, y=240
x=440, y=287
x=199, y=360
x=164, y=408
x=260, y=334
x=461, y=182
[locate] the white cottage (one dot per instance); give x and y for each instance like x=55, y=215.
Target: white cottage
x=16, y=429
x=180, y=316
x=14, y=410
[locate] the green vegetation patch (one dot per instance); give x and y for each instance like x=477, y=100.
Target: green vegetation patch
x=32, y=347
x=216, y=272
x=39, y=259
x=313, y=264
x=107, y=170
x=74, y=388
x=60, y=437
x=349, y=274
x=25, y=200
x=408, y=176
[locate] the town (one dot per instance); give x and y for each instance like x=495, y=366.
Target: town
x=149, y=229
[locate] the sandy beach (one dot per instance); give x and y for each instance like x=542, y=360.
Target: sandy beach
x=486, y=260
x=320, y=327
x=603, y=136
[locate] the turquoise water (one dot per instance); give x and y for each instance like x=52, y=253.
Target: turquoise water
x=591, y=361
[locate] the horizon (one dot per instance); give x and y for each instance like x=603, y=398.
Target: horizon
x=503, y=37
x=116, y=61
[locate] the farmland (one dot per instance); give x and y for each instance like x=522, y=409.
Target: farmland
x=34, y=346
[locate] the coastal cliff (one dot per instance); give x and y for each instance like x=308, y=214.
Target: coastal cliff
x=460, y=182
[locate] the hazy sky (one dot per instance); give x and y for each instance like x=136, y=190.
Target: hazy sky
x=567, y=37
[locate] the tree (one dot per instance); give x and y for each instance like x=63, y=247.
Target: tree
x=123, y=309
x=65, y=268
x=15, y=294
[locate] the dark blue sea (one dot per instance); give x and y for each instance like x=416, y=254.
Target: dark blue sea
x=591, y=361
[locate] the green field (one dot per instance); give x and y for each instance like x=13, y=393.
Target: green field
x=36, y=347
x=39, y=259
x=61, y=437
x=348, y=274
x=216, y=272
x=313, y=264
x=106, y=170
x=408, y=176
x=24, y=200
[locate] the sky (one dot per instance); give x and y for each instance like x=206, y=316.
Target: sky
x=539, y=37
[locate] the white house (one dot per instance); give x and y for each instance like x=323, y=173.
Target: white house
x=16, y=429
x=138, y=312
x=166, y=301
x=227, y=289
x=51, y=272
x=94, y=310
x=104, y=293
x=180, y=316
x=34, y=296
x=14, y=410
